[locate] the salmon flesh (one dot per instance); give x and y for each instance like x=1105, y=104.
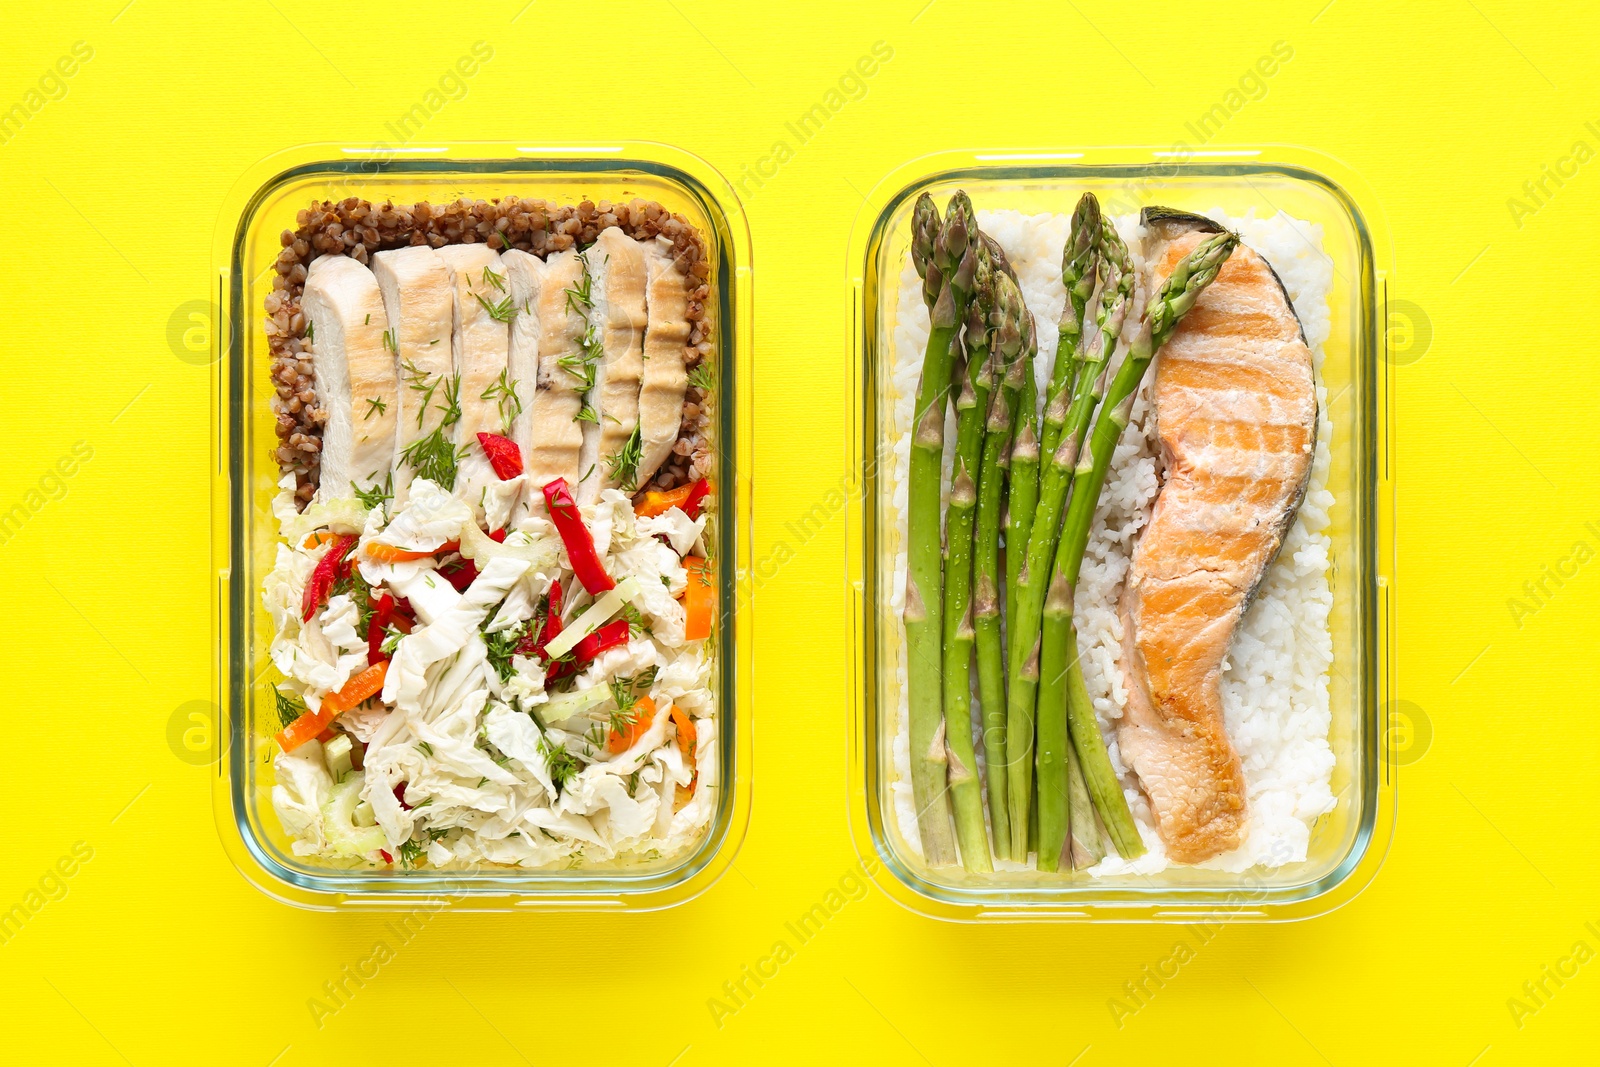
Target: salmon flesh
x=1236, y=412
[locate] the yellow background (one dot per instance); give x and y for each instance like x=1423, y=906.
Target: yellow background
x=161, y=953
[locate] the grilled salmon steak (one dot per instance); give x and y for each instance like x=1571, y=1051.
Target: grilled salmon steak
x=1236, y=412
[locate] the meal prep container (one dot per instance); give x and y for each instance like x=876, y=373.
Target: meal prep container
x=1348, y=844
x=264, y=203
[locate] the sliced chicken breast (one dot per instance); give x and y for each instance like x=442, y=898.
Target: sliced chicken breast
x=1236, y=406
x=553, y=389
x=481, y=343
x=419, y=300
x=666, y=335
x=354, y=374
x=611, y=445
x=525, y=277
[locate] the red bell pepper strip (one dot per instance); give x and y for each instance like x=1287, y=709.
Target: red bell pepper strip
x=382, y=616
x=697, y=495
x=611, y=635
x=552, y=617
x=325, y=575
x=533, y=644
x=575, y=536
x=460, y=573
x=504, y=455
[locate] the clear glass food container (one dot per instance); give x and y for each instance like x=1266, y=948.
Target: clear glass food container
x=262, y=205
x=1346, y=845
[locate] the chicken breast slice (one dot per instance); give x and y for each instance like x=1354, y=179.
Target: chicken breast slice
x=419, y=299
x=553, y=394
x=611, y=445
x=481, y=344
x=354, y=373
x=666, y=335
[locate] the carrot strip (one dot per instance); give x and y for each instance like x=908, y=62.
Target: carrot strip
x=643, y=714
x=390, y=554
x=699, y=599
x=312, y=723
x=685, y=728
x=321, y=537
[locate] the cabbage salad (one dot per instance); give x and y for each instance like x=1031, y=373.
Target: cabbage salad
x=538, y=695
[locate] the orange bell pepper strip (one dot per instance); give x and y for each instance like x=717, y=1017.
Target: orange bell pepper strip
x=390, y=554
x=699, y=599
x=686, y=498
x=633, y=725
x=685, y=728
x=312, y=723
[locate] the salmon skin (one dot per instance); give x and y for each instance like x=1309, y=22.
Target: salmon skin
x=1236, y=412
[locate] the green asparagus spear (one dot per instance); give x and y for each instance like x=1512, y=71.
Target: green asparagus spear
x=1061, y=438
x=1116, y=283
x=1006, y=351
x=1078, y=273
x=1161, y=317
x=1020, y=506
x=972, y=407
x=941, y=255
x=1085, y=847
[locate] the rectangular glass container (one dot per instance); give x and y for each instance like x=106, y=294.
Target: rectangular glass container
x=1347, y=845
x=262, y=205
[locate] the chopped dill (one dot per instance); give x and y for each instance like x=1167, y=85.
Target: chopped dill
x=624, y=466
x=411, y=852
x=376, y=496
x=427, y=749
x=496, y=280
x=391, y=340
x=636, y=624
x=417, y=380
x=375, y=406
x=703, y=377
x=436, y=833
x=582, y=363
x=356, y=588
x=435, y=457
x=562, y=765
x=586, y=414
x=503, y=391
x=504, y=311
x=290, y=707
x=622, y=693
x=579, y=297
x=311, y=331
x=501, y=647
x=452, y=402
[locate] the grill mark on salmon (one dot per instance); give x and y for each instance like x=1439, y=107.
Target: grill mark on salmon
x=1236, y=412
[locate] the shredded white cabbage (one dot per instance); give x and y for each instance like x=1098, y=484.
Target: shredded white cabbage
x=461, y=764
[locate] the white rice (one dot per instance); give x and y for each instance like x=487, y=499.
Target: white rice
x=1275, y=680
